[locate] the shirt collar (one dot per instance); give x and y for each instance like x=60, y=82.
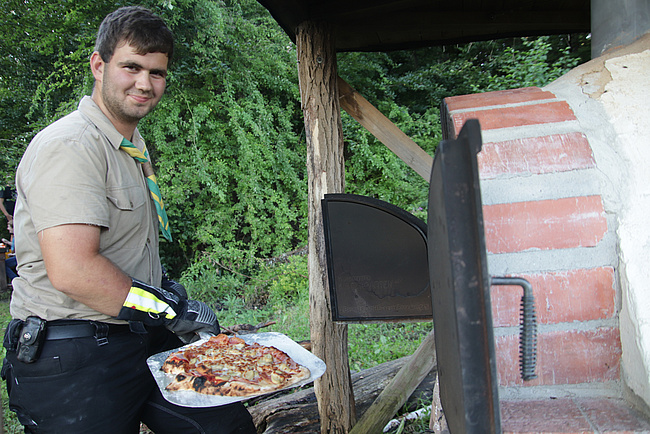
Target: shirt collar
x=89, y=108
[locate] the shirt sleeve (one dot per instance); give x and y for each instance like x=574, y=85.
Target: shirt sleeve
x=65, y=183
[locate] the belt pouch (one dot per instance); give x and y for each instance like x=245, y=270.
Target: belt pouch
x=30, y=341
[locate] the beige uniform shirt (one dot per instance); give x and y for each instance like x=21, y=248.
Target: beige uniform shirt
x=74, y=172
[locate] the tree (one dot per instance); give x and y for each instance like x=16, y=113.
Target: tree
x=45, y=46
x=228, y=139
x=224, y=140
x=408, y=86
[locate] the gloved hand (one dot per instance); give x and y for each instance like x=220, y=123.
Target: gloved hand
x=173, y=286
x=152, y=306
x=198, y=317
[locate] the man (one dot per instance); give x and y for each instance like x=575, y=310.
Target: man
x=8, y=202
x=88, y=308
x=10, y=261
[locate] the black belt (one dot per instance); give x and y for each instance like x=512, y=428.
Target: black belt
x=80, y=329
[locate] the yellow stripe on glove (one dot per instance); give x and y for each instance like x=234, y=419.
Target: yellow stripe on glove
x=145, y=301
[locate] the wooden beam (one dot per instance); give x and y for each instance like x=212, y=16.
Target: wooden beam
x=325, y=173
x=384, y=130
x=393, y=397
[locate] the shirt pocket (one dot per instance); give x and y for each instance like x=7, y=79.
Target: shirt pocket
x=129, y=217
x=126, y=198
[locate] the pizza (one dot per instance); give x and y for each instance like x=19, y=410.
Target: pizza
x=228, y=366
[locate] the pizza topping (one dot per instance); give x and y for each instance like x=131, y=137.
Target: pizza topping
x=228, y=366
x=277, y=379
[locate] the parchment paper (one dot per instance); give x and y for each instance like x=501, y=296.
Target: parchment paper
x=188, y=398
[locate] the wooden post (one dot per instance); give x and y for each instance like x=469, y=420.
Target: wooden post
x=317, y=75
x=438, y=421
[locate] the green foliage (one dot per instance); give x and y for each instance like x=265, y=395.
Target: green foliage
x=223, y=138
x=280, y=281
x=43, y=69
x=282, y=285
x=287, y=282
x=277, y=290
x=235, y=311
x=228, y=137
x=531, y=66
x=293, y=320
x=372, y=344
x=204, y=281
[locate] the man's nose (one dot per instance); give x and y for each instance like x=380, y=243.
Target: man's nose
x=143, y=81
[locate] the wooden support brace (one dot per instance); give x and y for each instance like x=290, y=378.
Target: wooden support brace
x=384, y=130
x=393, y=397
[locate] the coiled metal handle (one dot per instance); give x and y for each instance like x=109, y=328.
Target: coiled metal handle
x=527, y=326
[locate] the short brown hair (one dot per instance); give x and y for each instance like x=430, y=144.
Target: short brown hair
x=137, y=26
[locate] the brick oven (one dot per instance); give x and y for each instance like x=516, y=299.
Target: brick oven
x=544, y=221
x=564, y=182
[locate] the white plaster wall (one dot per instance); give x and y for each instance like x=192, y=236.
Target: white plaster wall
x=611, y=98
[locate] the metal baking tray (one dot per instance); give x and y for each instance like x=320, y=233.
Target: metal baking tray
x=193, y=399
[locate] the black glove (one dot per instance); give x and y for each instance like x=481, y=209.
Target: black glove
x=198, y=317
x=152, y=306
x=173, y=286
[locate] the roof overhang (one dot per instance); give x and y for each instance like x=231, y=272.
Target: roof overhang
x=384, y=25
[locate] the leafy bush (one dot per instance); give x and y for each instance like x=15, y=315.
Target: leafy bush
x=372, y=344
x=288, y=281
x=228, y=139
x=257, y=281
x=530, y=66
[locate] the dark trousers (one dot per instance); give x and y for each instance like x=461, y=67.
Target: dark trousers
x=10, y=268
x=78, y=386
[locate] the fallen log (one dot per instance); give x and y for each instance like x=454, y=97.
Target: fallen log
x=297, y=412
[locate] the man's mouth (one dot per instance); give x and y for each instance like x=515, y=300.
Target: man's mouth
x=141, y=99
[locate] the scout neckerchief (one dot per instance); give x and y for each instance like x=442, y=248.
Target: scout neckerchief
x=143, y=157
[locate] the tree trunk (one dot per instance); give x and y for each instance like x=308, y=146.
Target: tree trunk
x=320, y=104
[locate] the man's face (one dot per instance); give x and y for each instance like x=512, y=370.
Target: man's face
x=130, y=84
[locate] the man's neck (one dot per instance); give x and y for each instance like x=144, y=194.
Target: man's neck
x=126, y=129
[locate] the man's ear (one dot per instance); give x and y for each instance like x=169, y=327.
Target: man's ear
x=97, y=65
